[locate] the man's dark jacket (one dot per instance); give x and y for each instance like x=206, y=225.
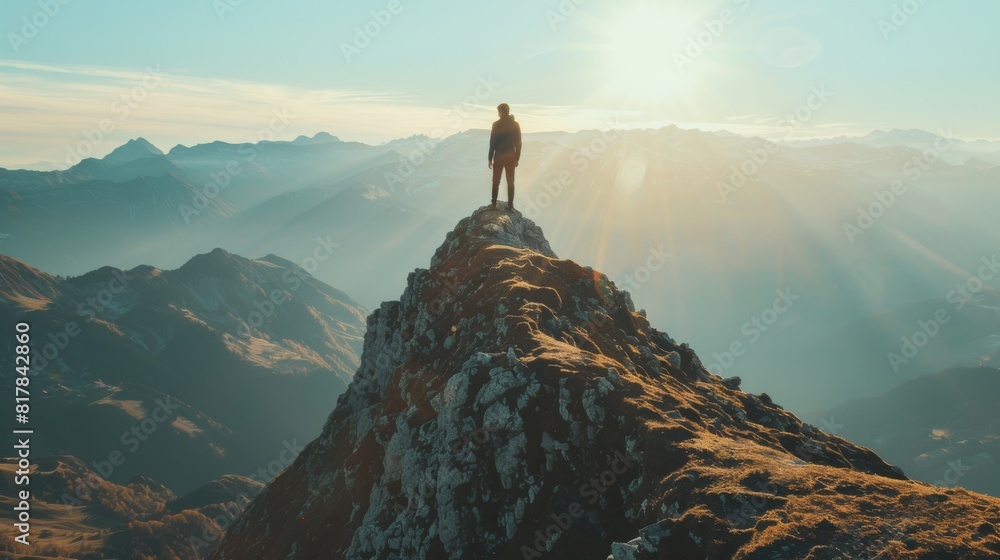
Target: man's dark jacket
x=505, y=139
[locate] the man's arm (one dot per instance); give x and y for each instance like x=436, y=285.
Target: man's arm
x=493, y=143
x=517, y=142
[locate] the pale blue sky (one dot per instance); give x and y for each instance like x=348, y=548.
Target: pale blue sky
x=222, y=78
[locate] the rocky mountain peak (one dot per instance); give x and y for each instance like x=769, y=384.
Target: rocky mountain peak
x=487, y=227
x=513, y=405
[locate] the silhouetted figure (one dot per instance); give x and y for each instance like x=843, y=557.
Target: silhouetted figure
x=505, y=151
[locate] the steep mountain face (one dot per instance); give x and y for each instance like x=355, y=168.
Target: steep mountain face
x=514, y=405
x=942, y=428
x=225, y=363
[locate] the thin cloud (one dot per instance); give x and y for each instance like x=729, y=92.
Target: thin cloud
x=92, y=71
x=49, y=111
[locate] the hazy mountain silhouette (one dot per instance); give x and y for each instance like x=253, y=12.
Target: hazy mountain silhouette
x=318, y=138
x=919, y=139
x=942, y=428
x=978, y=163
x=139, y=148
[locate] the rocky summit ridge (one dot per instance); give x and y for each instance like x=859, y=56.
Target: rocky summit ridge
x=513, y=404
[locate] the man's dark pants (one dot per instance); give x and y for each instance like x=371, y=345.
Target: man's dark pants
x=500, y=163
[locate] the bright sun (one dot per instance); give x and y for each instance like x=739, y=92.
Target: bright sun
x=639, y=46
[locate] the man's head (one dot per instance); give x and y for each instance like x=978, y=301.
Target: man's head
x=503, y=109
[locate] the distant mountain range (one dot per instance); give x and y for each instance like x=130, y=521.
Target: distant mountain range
x=958, y=150
x=220, y=366
x=943, y=428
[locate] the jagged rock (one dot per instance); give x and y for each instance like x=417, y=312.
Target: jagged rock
x=558, y=422
x=674, y=359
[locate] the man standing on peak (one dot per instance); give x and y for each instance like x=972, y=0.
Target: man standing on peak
x=505, y=151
